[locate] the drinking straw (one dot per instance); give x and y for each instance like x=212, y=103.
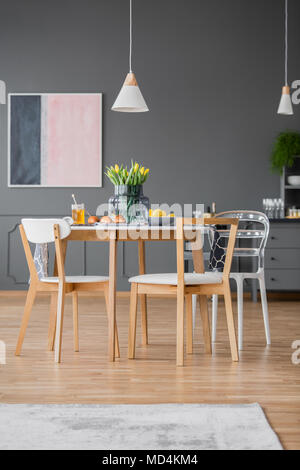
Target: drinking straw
x=75, y=202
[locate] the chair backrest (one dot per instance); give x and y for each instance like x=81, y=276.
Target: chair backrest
x=42, y=230
x=253, y=225
x=199, y=225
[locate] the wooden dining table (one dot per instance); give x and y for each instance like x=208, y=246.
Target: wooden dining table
x=113, y=234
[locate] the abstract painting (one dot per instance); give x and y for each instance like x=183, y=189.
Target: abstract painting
x=55, y=140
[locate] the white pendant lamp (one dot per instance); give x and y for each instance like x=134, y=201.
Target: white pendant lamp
x=130, y=98
x=285, y=106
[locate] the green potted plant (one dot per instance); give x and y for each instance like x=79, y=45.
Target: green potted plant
x=286, y=148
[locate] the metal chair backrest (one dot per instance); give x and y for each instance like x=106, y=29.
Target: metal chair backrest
x=252, y=225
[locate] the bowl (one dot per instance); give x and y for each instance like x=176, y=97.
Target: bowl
x=294, y=180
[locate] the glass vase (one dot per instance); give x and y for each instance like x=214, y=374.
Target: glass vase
x=129, y=201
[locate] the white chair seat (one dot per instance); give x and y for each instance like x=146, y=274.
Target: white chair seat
x=76, y=279
x=171, y=278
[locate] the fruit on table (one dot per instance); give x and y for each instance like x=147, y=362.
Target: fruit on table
x=106, y=220
x=119, y=219
x=93, y=219
x=157, y=213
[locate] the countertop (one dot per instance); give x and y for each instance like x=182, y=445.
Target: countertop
x=285, y=221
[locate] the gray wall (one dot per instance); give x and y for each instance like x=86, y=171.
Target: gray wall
x=211, y=72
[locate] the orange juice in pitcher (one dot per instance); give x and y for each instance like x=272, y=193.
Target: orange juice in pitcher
x=78, y=214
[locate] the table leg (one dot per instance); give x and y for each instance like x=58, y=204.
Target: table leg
x=112, y=295
x=59, y=322
x=186, y=266
x=143, y=297
x=52, y=321
x=199, y=267
x=198, y=261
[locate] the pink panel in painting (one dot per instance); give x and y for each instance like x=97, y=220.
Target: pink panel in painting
x=73, y=153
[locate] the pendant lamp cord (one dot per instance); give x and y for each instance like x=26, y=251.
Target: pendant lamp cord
x=286, y=42
x=130, y=39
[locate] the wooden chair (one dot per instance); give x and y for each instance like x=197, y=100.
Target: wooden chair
x=184, y=286
x=49, y=231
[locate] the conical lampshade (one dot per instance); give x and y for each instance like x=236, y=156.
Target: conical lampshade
x=130, y=98
x=285, y=106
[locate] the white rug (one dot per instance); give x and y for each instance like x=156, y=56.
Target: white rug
x=135, y=427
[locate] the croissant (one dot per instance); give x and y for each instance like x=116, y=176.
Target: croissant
x=106, y=220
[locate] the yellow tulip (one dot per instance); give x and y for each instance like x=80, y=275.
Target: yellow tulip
x=146, y=171
x=142, y=170
x=117, y=168
x=136, y=167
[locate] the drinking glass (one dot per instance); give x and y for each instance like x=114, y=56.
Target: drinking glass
x=276, y=208
x=268, y=208
x=282, y=209
x=78, y=214
x=272, y=209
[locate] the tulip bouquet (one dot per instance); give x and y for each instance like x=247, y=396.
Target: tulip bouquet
x=120, y=175
x=128, y=202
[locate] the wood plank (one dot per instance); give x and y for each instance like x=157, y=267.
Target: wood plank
x=264, y=374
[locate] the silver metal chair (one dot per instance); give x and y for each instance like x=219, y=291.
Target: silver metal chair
x=253, y=226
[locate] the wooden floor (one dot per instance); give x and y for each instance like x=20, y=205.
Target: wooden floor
x=264, y=375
